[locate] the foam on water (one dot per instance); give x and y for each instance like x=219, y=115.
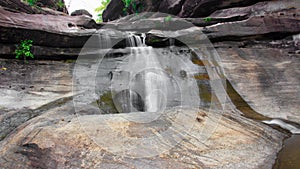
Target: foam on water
x=284, y=125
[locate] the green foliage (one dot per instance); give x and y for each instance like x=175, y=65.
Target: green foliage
x=31, y=2
x=23, y=49
x=60, y=4
x=208, y=19
x=100, y=9
x=129, y=3
x=168, y=18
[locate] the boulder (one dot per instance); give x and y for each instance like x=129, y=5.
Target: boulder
x=81, y=12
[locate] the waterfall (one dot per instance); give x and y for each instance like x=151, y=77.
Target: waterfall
x=145, y=63
x=152, y=79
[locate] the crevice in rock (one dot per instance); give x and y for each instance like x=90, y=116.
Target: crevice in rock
x=39, y=158
x=258, y=37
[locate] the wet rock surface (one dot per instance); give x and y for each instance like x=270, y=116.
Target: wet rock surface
x=273, y=90
x=59, y=139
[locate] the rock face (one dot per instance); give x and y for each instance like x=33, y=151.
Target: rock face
x=60, y=31
x=28, y=90
x=45, y=7
x=115, y=11
x=181, y=8
x=202, y=8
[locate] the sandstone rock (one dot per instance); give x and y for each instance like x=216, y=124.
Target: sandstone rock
x=202, y=8
x=266, y=76
x=19, y=6
x=255, y=26
x=199, y=8
x=171, y=6
x=258, y=9
x=57, y=5
x=60, y=139
x=55, y=31
x=27, y=90
x=113, y=11
x=81, y=12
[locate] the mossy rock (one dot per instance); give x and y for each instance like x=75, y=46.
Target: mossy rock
x=106, y=103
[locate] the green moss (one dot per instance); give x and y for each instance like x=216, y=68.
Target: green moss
x=106, y=103
x=205, y=94
x=168, y=18
x=155, y=40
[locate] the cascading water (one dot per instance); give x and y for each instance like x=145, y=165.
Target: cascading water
x=154, y=88
x=150, y=81
x=154, y=76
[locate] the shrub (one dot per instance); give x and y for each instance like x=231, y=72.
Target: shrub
x=60, y=4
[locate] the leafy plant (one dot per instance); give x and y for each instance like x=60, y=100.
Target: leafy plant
x=60, y=4
x=129, y=3
x=24, y=49
x=31, y=2
x=208, y=19
x=100, y=10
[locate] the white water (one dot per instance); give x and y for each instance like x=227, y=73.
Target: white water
x=149, y=67
x=282, y=124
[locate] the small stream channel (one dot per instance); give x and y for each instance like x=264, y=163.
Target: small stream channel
x=289, y=155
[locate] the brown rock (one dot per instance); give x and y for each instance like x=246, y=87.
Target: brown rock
x=234, y=142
